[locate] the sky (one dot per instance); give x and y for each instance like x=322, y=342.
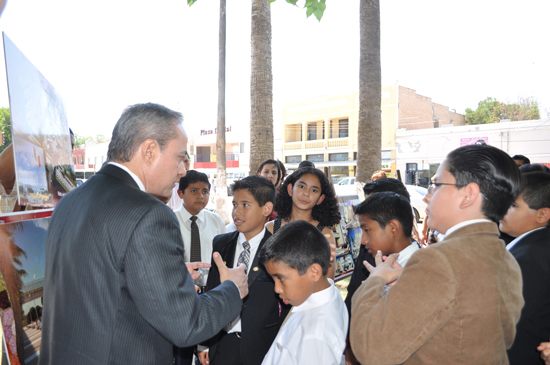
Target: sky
x=104, y=55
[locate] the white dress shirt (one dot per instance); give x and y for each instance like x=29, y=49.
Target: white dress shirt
x=315, y=332
x=210, y=225
x=406, y=253
x=464, y=224
x=134, y=176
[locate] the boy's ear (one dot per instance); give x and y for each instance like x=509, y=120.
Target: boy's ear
x=289, y=189
x=321, y=198
x=543, y=215
x=316, y=272
x=267, y=209
x=396, y=227
x=470, y=194
x=180, y=194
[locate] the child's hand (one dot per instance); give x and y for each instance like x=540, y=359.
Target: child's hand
x=203, y=357
x=384, y=269
x=544, y=349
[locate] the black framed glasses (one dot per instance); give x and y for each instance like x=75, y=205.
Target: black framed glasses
x=434, y=185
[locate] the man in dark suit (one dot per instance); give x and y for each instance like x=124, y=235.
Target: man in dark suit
x=117, y=290
x=249, y=336
x=528, y=219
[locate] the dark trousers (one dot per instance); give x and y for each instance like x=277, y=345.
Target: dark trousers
x=228, y=350
x=183, y=355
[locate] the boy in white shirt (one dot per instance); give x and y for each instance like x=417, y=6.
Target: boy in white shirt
x=314, y=332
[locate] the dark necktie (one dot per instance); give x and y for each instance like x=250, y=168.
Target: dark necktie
x=244, y=257
x=195, y=241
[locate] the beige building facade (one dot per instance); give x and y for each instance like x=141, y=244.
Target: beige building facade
x=324, y=129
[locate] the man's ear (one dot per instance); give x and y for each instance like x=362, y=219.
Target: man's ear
x=316, y=272
x=148, y=150
x=289, y=189
x=267, y=209
x=543, y=215
x=321, y=198
x=471, y=193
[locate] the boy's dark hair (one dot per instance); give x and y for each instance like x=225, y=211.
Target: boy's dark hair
x=282, y=168
x=260, y=187
x=385, y=206
x=325, y=213
x=306, y=163
x=193, y=176
x=299, y=245
x=533, y=167
x=525, y=160
x=494, y=171
x=388, y=184
x=272, y=162
x=536, y=192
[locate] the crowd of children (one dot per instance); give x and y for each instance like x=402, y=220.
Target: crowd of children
x=467, y=299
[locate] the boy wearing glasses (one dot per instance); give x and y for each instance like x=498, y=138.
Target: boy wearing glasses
x=458, y=301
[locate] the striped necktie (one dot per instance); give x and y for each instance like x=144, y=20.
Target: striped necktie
x=244, y=257
x=195, y=241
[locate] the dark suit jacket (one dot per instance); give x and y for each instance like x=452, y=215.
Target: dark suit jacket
x=262, y=313
x=116, y=287
x=533, y=255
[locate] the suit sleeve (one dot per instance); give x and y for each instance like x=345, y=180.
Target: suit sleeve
x=163, y=290
x=388, y=329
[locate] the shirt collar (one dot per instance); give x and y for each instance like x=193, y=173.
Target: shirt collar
x=518, y=238
x=187, y=216
x=254, y=241
x=406, y=253
x=316, y=299
x=134, y=176
x=464, y=224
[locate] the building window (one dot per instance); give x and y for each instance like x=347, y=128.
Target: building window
x=316, y=158
x=339, y=129
x=293, y=159
x=386, y=155
x=412, y=167
x=242, y=147
x=343, y=126
x=315, y=130
x=338, y=156
x=354, y=156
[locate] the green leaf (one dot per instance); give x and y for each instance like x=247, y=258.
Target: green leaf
x=309, y=11
x=293, y=2
x=191, y=2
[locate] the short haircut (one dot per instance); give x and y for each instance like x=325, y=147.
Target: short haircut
x=193, y=176
x=536, y=191
x=298, y=244
x=533, y=167
x=525, y=160
x=387, y=184
x=138, y=123
x=385, y=206
x=260, y=187
x=306, y=163
x=494, y=171
x=272, y=162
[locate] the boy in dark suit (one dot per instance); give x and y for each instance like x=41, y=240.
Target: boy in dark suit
x=528, y=219
x=247, y=338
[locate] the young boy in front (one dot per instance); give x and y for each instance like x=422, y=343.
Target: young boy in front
x=298, y=257
x=528, y=219
x=458, y=301
x=247, y=338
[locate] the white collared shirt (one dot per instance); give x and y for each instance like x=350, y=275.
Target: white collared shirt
x=406, y=253
x=315, y=332
x=134, y=176
x=518, y=238
x=464, y=224
x=235, y=325
x=210, y=225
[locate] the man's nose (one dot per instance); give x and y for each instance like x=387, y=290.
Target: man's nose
x=181, y=170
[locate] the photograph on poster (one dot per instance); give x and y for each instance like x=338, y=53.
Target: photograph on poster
x=22, y=253
x=40, y=133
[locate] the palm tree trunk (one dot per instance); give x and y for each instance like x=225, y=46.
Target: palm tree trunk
x=221, y=183
x=369, y=155
x=261, y=86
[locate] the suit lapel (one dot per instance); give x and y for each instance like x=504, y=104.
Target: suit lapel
x=230, y=249
x=256, y=268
